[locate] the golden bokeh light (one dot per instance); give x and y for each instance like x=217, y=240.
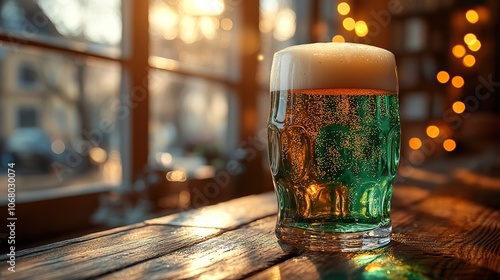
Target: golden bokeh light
x=343, y=8
x=338, y=38
x=475, y=47
x=472, y=16
x=469, y=60
x=176, y=176
x=458, y=107
x=458, y=51
x=457, y=81
x=443, y=77
x=470, y=39
x=348, y=23
x=432, y=131
x=449, y=145
x=226, y=23
x=260, y=57
x=98, y=155
x=415, y=143
x=361, y=28
x=58, y=147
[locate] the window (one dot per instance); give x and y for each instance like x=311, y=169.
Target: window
x=27, y=117
x=127, y=94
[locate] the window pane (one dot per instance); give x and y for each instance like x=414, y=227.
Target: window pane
x=59, y=118
x=192, y=122
x=282, y=23
x=198, y=35
x=92, y=25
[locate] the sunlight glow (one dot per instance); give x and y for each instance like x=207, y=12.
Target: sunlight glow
x=285, y=25
x=98, y=155
x=203, y=7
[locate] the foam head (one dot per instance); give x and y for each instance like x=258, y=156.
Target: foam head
x=334, y=65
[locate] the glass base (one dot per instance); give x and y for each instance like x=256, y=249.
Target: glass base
x=334, y=241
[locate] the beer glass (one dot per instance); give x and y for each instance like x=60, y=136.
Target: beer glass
x=334, y=142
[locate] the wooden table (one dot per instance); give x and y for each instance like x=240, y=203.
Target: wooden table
x=445, y=227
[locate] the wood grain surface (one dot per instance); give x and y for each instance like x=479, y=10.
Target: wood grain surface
x=444, y=229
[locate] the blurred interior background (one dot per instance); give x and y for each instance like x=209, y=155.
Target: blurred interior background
x=119, y=110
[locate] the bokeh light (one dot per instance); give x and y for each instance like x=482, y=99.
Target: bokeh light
x=285, y=25
x=457, y=81
x=458, y=51
x=338, y=38
x=349, y=23
x=98, y=155
x=449, y=145
x=226, y=23
x=472, y=16
x=443, y=77
x=432, y=131
x=343, y=8
x=469, y=60
x=58, y=147
x=470, y=39
x=475, y=47
x=458, y=107
x=415, y=143
x=361, y=28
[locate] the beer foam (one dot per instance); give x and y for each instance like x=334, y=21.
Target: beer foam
x=334, y=65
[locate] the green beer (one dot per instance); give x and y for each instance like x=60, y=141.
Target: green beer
x=333, y=153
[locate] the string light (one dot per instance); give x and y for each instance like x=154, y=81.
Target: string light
x=475, y=47
x=361, y=28
x=449, y=145
x=458, y=107
x=470, y=39
x=415, y=143
x=443, y=77
x=472, y=16
x=457, y=81
x=458, y=51
x=338, y=38
x=432, y=131
x=349, y=23
x=469, y=60
x=343, y=8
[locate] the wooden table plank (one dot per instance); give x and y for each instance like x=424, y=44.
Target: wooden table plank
x=108, y=253
x=73, y=240
x=441, y=235
x=226, y=215
x=231, y=255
